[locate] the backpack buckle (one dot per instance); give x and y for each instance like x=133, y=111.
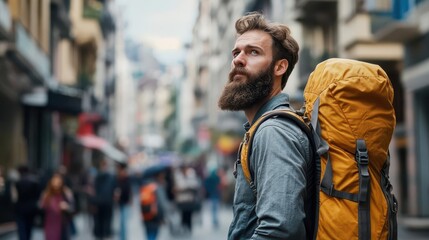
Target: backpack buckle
x=362, y=157
x=361, y=154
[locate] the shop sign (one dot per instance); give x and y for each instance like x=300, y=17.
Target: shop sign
x=28, y=48
x=5, y=21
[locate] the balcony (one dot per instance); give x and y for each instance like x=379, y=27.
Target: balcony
x=416, y=51
x=29, y=56
x=363, y=44
x=317, y=12
x=308, y=63
x=385, y=28
x=107, y=22
x=60, y=16
x=85, y=17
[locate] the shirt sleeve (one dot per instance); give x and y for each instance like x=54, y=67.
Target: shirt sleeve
x=279, y=158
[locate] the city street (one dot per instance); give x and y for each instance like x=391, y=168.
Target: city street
x=202, y=226
x=203, y=229
x=161, y=89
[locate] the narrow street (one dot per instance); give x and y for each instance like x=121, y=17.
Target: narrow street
x=202, y=228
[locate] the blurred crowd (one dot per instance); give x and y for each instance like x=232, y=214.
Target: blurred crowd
x=168, y=197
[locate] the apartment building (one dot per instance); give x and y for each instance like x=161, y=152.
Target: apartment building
x=410, y=28
x=393, y=34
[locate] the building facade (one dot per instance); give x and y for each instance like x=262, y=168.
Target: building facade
x=411, y=29
x=56, y=64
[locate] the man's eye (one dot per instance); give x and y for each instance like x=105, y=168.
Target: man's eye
x=234, y=54
x=254, y=52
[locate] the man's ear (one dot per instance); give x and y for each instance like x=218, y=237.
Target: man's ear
x=281, y=67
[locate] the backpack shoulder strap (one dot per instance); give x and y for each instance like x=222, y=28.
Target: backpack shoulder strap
x=313, y=172
x=246, y=145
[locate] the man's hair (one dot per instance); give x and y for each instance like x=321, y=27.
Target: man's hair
x=284, y=45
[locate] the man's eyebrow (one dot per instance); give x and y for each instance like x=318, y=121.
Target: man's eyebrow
x=247, y=47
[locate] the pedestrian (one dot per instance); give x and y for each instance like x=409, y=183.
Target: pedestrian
x=212, y=185
x=153, y=203
x=273, y=207
x=58, y=204
x=103, y=201
x=187, y=197
x=27, y=192
x=6, y=195
x=124, y=199
x=63, y=171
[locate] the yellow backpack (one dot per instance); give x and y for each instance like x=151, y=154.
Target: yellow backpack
x=349, y=104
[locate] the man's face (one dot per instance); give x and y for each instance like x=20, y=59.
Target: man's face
x=251, y=77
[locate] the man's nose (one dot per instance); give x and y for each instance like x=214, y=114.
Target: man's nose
x=239, y=60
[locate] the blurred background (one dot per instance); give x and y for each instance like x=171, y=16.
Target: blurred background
x=137, y=82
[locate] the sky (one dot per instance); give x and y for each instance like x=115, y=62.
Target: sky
x=165, y=25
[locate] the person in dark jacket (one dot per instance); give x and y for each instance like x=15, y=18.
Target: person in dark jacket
x=27, y=196
x=124, y=198
x=103, y=200
x=212, y=185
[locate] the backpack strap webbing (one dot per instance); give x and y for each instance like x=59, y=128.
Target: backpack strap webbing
x=364, y=218
x=363, y=197
x=249, y=135
x=327, y=186
x=312, y=175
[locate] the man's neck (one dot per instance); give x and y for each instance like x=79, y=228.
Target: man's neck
x=251, y=112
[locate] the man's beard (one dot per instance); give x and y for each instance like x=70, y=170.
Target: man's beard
x=241, y=95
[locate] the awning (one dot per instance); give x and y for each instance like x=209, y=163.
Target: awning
x=64, y=99
x=95, y=142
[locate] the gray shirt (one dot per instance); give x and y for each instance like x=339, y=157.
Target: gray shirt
x=278, y=164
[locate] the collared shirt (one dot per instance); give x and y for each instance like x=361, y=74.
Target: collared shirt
x=278, y=164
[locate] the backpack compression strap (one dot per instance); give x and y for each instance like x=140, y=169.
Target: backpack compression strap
x=327, y=185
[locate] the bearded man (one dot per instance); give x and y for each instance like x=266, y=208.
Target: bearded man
x=273, y=207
